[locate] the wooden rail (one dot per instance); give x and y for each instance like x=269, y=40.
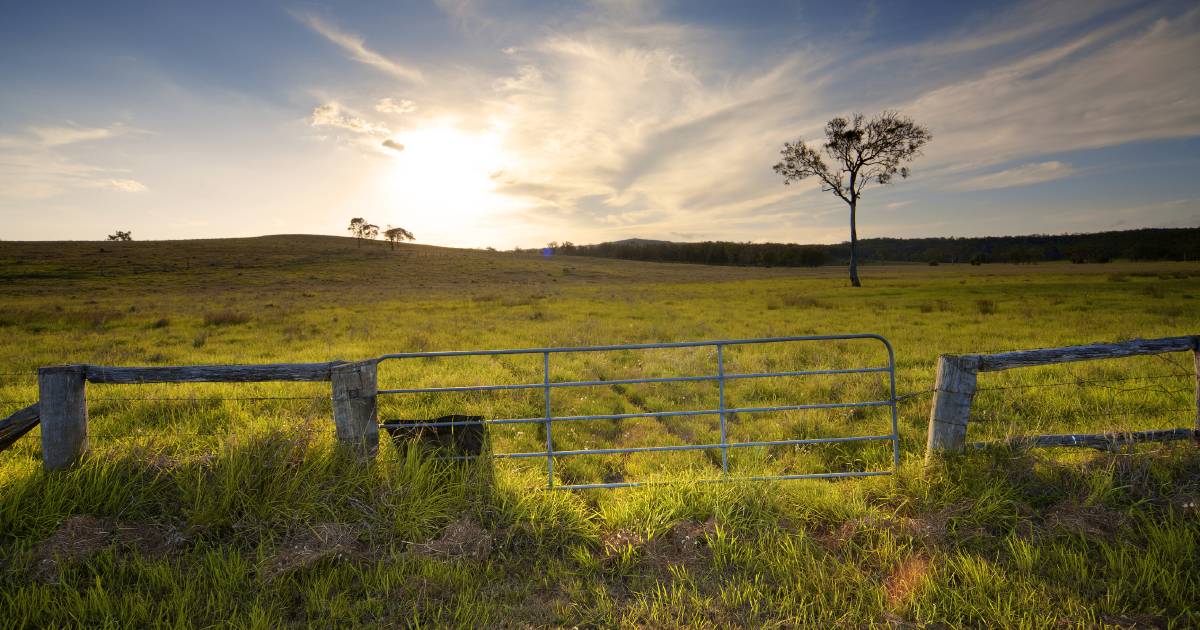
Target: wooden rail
x=18, y=424
x=954, y=389
x=62, y=399
x=211, y=373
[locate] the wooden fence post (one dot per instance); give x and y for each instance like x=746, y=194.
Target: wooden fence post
x=354, y=412
x=1196, y=357
x=62, y=406
x=951, y=409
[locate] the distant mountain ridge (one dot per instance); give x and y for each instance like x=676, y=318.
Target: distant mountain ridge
x=1097, y=247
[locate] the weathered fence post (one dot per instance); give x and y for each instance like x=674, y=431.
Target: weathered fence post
x=354, y=412
x=1196, y=357
x=951, y=409
x=62, y=406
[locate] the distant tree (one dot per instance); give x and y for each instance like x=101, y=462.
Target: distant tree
x=360, y=229
x=121, y=236
x=861, y=152
x=397, y=234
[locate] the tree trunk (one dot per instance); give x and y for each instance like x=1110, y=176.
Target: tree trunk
x=853, y=247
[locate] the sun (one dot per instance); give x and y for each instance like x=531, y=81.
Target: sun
x=444, y=179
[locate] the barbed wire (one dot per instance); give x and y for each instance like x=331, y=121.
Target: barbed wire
x=176, y=398
x=1106, y=414
x=1082, y=382
x=904, y=397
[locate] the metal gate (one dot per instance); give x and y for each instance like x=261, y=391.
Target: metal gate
x=722, y=411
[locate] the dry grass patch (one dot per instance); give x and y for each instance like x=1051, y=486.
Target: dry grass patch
x=81, y=537
x=462, y=538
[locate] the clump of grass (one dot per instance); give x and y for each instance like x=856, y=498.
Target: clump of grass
x=200, y=339
x=161, y=323
x=225, y=318
x=1154, y=291
x=803, y=301
x=986, y=307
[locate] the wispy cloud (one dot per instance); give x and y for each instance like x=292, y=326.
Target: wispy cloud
x=123, y=185
x=1105, y=88
x=37, y=164
x=331, y=115
x=1023, y=175
x=357, y=49
x=389, y=106
x=68, y=134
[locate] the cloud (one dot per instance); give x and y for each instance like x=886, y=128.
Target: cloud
x=123, y=185
x=330, y=115
x=59, y=136
x=1024, y=175
x=402, y=106
x=393, y=145
x=621, y=127
x=355, y=46
x=38, y=165
x=1105, y=88
x=1021, y=23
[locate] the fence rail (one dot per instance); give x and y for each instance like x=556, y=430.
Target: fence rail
x=954, y=390
x=310, y=372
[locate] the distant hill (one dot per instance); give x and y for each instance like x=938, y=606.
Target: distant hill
x=1143, y=244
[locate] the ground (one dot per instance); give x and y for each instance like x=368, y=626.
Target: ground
x=230, y=504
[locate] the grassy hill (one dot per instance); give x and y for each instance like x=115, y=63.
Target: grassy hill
x=224, y=504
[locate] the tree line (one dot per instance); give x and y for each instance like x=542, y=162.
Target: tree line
x=1100, y=247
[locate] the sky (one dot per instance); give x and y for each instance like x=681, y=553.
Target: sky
x=487, y=123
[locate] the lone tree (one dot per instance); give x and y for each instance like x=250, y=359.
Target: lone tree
x=360, y=229
x=126, y=235
x=397, y=235
x=861, y=153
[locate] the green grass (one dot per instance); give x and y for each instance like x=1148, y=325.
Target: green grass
x=202, y=505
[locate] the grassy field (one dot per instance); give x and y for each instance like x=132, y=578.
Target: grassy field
x=216, y=504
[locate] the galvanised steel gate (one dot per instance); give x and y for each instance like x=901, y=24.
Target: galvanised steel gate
x=722, y=411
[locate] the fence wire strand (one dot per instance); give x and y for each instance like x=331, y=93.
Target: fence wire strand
x=1082, y=382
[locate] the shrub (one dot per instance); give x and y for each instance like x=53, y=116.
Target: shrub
x=803, y=300
x=225, y=318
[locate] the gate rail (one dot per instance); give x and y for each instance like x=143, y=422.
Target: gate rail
x=722, y=411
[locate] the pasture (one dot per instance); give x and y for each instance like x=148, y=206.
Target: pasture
x=230, y=504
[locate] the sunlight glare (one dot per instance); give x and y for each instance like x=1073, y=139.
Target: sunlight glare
x=445, y=178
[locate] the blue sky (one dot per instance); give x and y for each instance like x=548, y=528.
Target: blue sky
x=480, y=123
